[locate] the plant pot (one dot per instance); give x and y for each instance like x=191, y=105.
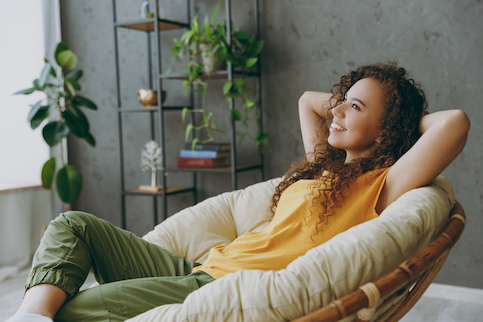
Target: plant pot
x=210, y=62
x=149, y=97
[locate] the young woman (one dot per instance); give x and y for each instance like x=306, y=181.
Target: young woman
x=366, y=145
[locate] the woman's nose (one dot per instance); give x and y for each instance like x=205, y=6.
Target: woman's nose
x=338, y=110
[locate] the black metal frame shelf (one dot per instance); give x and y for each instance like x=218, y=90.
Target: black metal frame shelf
x=227, y=169
x=154, y=26
x=150, y=109
x=219, y=74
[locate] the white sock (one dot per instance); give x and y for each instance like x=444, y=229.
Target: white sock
x=29, y=317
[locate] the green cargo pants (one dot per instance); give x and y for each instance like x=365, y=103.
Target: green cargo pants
x=134, y=275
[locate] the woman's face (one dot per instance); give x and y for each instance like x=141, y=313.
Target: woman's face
x=356, y=125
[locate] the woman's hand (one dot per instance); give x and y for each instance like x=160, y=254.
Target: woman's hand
x=314, y=110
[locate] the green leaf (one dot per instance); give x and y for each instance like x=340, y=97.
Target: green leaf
x=70, y=87
x=227, y=86
x=34, y=110
x=183, y=113
x=83, y=101
x=76, y=121
x=193, y=144
x=261, y=137
x=215, y=12
x=73, y=78
x=242, y=34
x=44, y=75
x=26, y=91
x=47, y=175
x=185, y=85
x=207, y=118
x=206, y=28
x=242, y=138
x=42, y=113
x=236, y=114
x=90, y=139
x=36, y=85
x=69, y=183
x=61, y=46
x=67, y=59
x=249, y=104
x=189, y=127
x=54, y=132
x=250, y=62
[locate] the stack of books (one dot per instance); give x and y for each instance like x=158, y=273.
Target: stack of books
x=207, y=155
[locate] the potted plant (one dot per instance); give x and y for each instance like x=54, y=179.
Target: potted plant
x=61, y=113
x=210, y=42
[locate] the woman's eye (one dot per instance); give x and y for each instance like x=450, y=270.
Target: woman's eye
x=354, y=106
x=344, y=100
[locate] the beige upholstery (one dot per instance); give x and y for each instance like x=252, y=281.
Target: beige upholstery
x=331, y=270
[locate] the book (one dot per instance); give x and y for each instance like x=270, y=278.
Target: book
x=201, y=163
x=204, y=154
x=212, y=146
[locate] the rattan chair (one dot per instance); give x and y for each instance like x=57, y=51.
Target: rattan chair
x=391, y=296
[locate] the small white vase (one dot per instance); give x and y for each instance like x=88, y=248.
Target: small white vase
x=210, y=62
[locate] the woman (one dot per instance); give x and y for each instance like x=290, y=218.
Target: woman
x=367, y=155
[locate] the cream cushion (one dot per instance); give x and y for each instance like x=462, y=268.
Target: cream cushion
x=331, y=270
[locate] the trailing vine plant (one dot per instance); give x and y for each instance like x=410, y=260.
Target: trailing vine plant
x=243, y=54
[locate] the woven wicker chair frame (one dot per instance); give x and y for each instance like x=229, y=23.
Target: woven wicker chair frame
x=391, y=296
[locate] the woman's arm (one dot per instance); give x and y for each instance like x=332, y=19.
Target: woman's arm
x=443, y=137
x=314, y=110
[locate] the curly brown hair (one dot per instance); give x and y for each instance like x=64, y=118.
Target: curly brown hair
x=404, y=105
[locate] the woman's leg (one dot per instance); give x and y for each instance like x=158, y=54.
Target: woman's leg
x=75, y=241
x=118, y=301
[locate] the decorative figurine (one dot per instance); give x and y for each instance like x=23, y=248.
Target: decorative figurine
x=151, y=161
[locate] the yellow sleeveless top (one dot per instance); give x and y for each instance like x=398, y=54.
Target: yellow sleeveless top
x=291, y=233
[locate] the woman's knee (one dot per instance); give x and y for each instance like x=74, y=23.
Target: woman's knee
x=75, y=218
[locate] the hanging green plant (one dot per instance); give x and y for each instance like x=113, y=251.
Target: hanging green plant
x=242, y=53
x=61, y=112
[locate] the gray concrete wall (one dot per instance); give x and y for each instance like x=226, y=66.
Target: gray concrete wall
x=309, y=44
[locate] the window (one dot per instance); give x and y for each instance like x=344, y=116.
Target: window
x=22, y=150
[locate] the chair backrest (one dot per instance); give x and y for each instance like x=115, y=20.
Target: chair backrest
x=391, y=296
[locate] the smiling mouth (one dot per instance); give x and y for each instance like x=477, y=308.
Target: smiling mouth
x=337, y=127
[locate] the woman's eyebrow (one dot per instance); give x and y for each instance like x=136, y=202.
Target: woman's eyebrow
x=356, y=99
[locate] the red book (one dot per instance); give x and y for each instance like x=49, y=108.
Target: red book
x=201, y=163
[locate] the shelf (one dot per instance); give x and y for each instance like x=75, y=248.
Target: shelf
x=148, y=24
x=169, y=191
x=150, y=109
x=227, y=169
x=219, y=74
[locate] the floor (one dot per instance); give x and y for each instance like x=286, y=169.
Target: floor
x=440, y=303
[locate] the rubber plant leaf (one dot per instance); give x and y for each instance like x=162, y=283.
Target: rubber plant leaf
x=44, y=75
x=67, y=59
x=26, y=91
x=76, y=121
x=68, y=183
x=42, y=113
x=54, y=132
x=47, y=175
x=61, y=46
x=82, y=101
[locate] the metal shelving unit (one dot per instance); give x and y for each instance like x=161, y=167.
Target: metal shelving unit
x=156, y=114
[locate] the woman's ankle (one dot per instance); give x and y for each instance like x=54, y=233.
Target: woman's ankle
x=44, y=300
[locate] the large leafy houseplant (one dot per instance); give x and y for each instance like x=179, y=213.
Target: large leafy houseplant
x=61, y=113
x=242, y=53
